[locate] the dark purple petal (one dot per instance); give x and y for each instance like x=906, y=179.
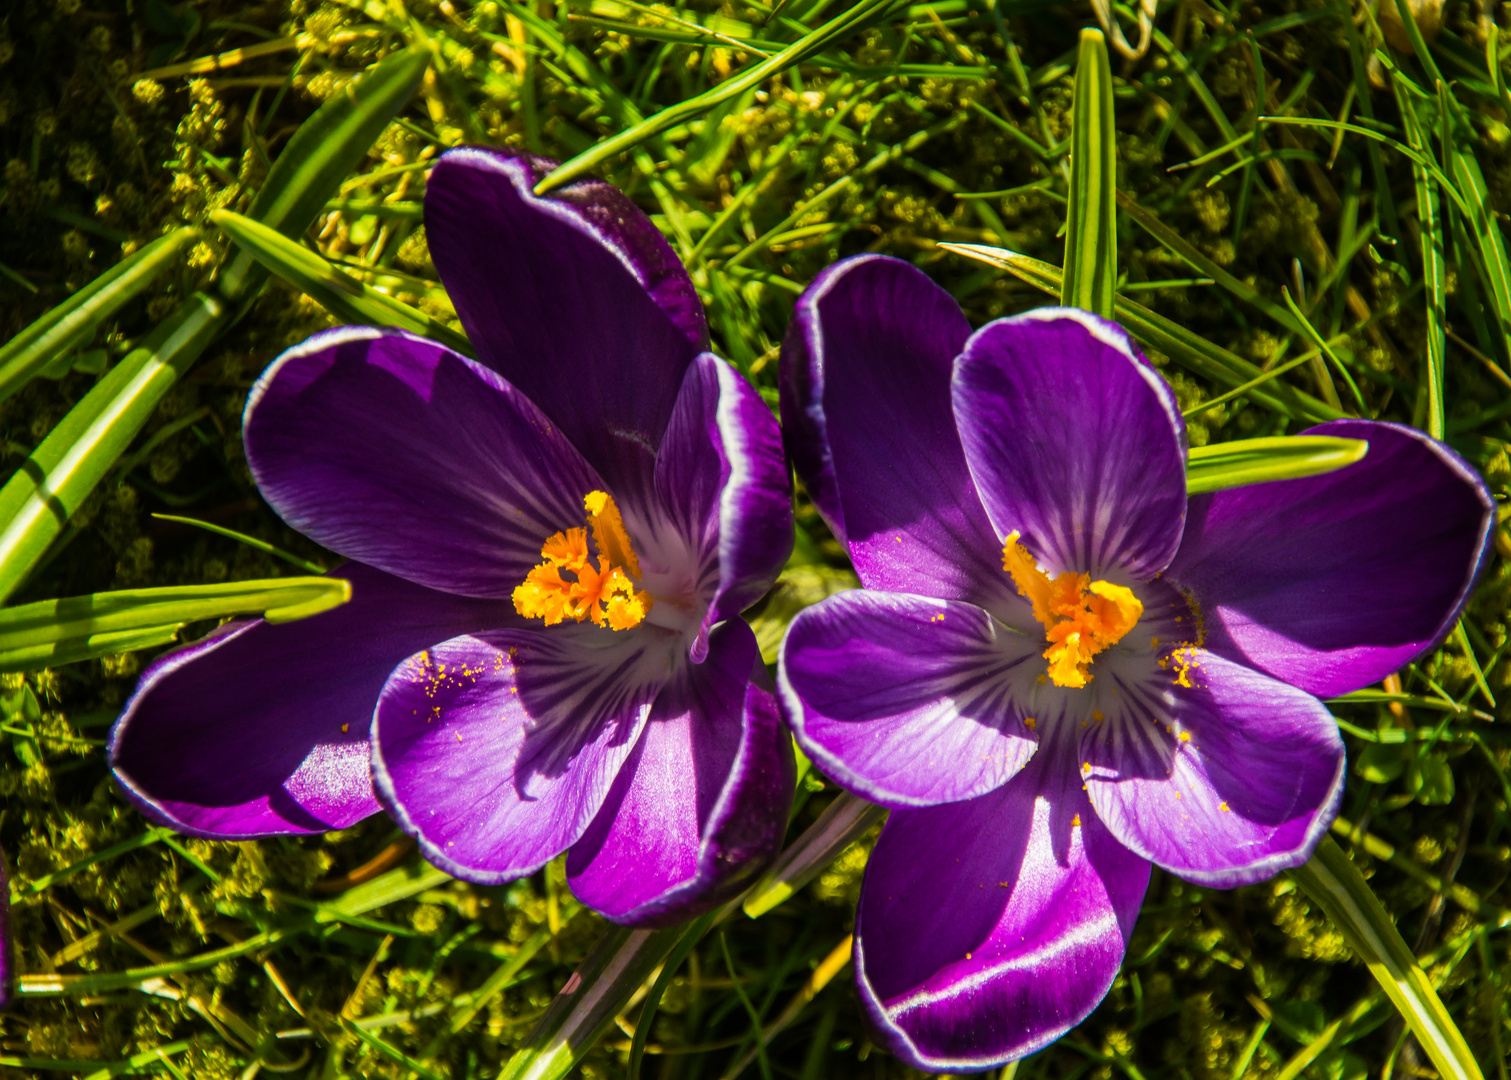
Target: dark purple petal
x=261, y=729
x=575, y=298
x=867, y=417
x=908, y=700
x=497, y=750
x=395, y=451
x=7, y=941
x=1074, y=441
x=987, y=929
x=722, y=483
x=1332, y=582
x=701, y=805
x=1224, y=782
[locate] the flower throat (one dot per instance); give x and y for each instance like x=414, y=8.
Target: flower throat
x=607, y=593
x=1081, y=617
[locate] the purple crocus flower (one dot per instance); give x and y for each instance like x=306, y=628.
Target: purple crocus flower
x=1061, y=669
x=550, y=550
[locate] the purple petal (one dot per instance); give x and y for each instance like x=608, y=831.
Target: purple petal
x=1224, y=782
x=868, y=421
x=575, y=298
x=722, y=483
x=908, y=700
x=1332, y=582
x=397, y=452
x=987, y=929
x=261, y=729
x=1074, y=441
x=701, y=805
x=496, y=751
x=7, y=941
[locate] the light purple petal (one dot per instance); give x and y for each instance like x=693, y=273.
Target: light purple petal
x=722, y=484
x=261, y=729
x=867, y=416
x=7, y=941
x=908, y=700
x=394, y=451
x=701, y=805
x=1332, y=582
x=1224, y=782
x=575, y=298
x=1074, y=441
x=497, y=750
x=987, y=929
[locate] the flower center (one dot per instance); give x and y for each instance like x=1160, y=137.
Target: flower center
x=1081, y=617
x=607, y=593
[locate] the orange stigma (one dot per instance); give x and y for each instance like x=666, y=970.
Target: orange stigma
x=1081, y=617
x=606, y=593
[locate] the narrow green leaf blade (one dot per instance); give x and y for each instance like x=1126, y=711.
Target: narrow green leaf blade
x=843, y=822
x=1434, y=272
x=1257, y=461
x=76, y=319
x=1090, y=277
x=1335, y=885
x=338, y=292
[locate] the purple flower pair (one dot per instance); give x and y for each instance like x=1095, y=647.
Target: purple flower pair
x=550, y=548
x=1062, y=670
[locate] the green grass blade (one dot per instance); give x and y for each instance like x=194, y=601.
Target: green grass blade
x=1257, y=461
x=1335, y=885
x=836, y=29
x=337, y=291
x=250, y=541
x=1090, y=276
x=1326, y=350
x=321, y=154
x=844, y=821
x=75, y=321
x=34, y=657
x=57, y=477
x=1187, y=349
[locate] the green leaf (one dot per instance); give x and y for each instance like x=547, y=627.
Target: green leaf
x=60, y=631
x=75, y=321
x=1434, y=273
x=325, y=149
x=843, y=822
x=1090, y=277
x=1191, y=351
x=1335, y=885
x=1256, y=461
x=337, y=291
x=836, y=29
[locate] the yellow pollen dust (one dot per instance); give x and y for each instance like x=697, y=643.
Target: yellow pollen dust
x=1081, y=617
x=606, y=593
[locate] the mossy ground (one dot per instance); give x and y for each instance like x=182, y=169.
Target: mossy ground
x=868, y=148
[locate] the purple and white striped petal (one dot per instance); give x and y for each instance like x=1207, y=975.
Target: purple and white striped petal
x=867, y=417
x=397, y=452
x=575, y=298
x=1332, y=582
x=987, y=929
x=260, y=729
x=908, y=700
x=1223, y=782
x=721, y=484
x=701, y=805
x=497, y=750
x=1074, y=441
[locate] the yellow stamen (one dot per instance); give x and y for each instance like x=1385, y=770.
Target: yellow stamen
x=605, y=593
x=1081, y=617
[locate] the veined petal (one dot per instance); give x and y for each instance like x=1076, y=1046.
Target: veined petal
x=1333, y=582
x=260, y=729
x=1223, y=782
x=1075, y=441
x=496, y=750
x=987, y=929
x=701, y=805
x=575, y=298
x=867, y=417
x=909, y=700
x=395, y=451
x=722, y=485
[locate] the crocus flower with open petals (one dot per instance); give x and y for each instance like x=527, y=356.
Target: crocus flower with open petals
x=1062, y=670
x=551, y=548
